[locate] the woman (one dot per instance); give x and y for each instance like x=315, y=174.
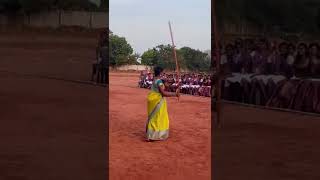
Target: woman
x=226, y=61
x=302, y=61
x=290, y=59
x=314, y=59
x=260, y=58
x=301, y=88
x=158, y=120
x=258, y=91
x=314, y=102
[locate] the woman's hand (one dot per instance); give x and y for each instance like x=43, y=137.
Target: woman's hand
x=178, y=92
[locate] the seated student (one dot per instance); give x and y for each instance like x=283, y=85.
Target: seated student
x=196, y=87
x=260, y=58
x=291, y=93
x=141, y=79
x=238, y=60
x=302, y=61
x=258, y=94
x=272, y=60
x=314, y=50
x=226, y=61
x=310, y=90
x=290, y=59
x=149, y=80
x=247, y=57
x=281, y=65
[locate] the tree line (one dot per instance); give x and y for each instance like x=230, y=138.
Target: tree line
x=121, y=53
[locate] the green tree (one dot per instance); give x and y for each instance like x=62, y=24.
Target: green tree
x=188, y=58
x=195, y=60
x=161, y=55
x=149, y=57
x=133, y=59
x=120, y=50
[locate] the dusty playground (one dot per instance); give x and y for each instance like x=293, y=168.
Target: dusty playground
x=50, y=129
x=186, y=155
x=265, y=144
x=251, y=144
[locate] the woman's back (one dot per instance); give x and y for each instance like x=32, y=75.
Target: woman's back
x=155, y=85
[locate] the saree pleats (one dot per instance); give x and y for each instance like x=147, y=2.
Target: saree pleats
x=157, y=127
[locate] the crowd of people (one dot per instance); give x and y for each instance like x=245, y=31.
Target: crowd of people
x=189, y=83
x=265, y=57
x=267, y=73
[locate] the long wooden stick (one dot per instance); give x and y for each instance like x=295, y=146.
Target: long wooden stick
x=175, y=57
x=217, y=53
x=174, y=51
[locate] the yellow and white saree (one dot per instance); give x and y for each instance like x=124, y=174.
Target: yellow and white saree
x=158, y=120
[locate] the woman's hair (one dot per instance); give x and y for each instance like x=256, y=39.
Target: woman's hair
x=299, y=56
x=314, y=44
x=229, y=46
x=265, y=42
x=238, y=41
x=283, y=44
x=304, y=45
x=157, y=71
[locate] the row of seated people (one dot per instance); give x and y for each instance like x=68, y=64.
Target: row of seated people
x=193, y=84
x=190, y=83
x=283, y=76
x=146, y=79
x=262, y=57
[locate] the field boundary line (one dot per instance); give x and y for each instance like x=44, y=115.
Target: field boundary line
x=53, y=78
x=271, y=108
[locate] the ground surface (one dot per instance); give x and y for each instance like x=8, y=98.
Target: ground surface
x=50, y=129
x=186, y=155
x=256, y=144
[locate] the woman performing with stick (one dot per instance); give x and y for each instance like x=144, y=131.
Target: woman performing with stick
x=158, y=120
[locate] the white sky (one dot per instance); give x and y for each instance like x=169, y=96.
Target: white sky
x=144, y=23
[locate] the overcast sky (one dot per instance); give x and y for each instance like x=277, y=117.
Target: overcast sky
x=144, y=23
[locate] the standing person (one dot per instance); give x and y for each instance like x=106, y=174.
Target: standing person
x=95, y=66
x=103, y=69
x=157, y=127
x=102, y=58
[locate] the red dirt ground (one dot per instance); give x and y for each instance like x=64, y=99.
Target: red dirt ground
x=257, y=144
x=49, y=129
x=186, y=155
